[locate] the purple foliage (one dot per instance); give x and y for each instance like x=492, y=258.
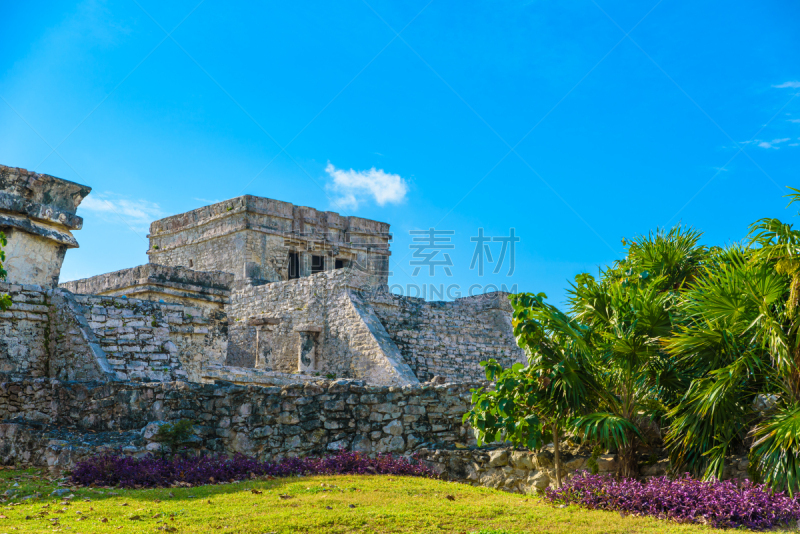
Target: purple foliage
x=148, y=472
x=686, y=500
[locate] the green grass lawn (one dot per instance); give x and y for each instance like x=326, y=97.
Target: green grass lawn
x=320, y=504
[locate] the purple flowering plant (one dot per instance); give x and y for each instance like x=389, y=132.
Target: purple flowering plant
x=149, y=472
x=685, y=500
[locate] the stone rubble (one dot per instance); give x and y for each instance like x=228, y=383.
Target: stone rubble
x=522, y=471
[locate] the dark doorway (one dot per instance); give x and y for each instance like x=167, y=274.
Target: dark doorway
x=317, y=264
x=294, y=265
x=339, y=264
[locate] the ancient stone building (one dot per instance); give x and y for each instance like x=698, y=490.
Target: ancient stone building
x=298, y=293
x=268, y=324
x=269, y=240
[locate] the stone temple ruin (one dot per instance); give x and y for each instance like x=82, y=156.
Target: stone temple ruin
x=269, y=325
x=276, y=293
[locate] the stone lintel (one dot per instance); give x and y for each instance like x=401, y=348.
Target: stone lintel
x=50, y=232
x=60, y=195
x=308, y=328
x=29, y=208
x=261, y=321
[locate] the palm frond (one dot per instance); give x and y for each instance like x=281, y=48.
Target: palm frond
x=610, y=429
x=776, y=450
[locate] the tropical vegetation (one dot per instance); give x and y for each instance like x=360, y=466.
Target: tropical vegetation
x=678, y=343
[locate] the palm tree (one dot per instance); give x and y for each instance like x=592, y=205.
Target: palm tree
x=601, y=371
x=742, y=341
x=629, y=311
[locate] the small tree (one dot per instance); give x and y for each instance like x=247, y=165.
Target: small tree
x=529, y=402
x=174, y=434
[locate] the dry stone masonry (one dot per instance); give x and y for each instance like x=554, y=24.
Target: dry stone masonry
x=449, y=339
x=522, y=471
x=55, y=423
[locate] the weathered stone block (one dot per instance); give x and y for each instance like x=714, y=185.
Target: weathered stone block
x=395, y=428
x=498, y=458
x=521, y=460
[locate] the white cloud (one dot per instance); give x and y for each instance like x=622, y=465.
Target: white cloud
x=771, y=144
x=353, y=187
x=206, y=201
x=786, y=85
x=137, y=213
x=794, y=120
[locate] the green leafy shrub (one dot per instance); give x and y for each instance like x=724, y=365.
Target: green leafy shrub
x=5, y=300
x=174, y=434
x=591, y=463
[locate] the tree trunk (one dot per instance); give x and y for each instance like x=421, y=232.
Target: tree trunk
x=557, y=450
x=628, y=464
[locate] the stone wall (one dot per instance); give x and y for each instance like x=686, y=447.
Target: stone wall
x=75, y=353
x=449, y=339
x=521, y=471
x=345, y=338
x=364, y=332
x=53, y=333
x=44, y=334
x=156, y=341
x=24, y=331
x=268, y=422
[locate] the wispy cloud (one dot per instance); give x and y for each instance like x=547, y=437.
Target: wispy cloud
x=206, y=201
x=787, y=85
x=115, y=209
x=768, y=144
x=352, y=187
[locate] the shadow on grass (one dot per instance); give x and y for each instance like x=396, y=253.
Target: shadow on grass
x=257, y=486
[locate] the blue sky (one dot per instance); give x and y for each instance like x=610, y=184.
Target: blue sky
x=576, y=124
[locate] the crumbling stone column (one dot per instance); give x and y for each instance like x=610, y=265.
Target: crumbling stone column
x=37, y=214
x=264, y=334
x=307, y=356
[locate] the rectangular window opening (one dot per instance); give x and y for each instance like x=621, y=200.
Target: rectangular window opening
x=317, y=264
x=294, y=265
x=339, y=264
